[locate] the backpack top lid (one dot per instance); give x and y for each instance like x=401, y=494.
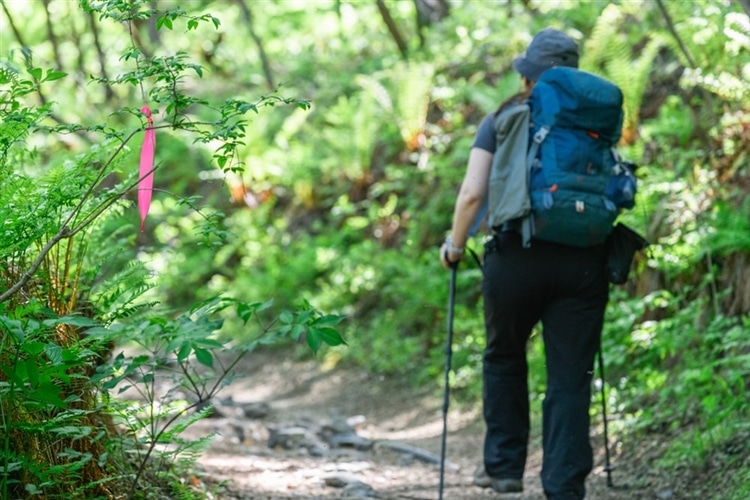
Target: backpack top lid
x=573, y=98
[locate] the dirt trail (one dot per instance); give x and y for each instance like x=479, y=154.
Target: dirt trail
x=302, y=397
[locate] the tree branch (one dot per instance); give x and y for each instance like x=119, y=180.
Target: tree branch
x=13, y=27
x=52, y=36
x=248, y=16
x=63, y=233
x=428, y=13
x=66, y=231
x=673, y=31
x=108, y=93
x=393, y=29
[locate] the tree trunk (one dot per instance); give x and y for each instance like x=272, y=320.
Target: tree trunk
x=736, y=277
x=675, y=35
x=429, y=12
x=248, y=16
x=102, y=58
x=527, y=5
x=52, y=37
x=393, y=29
x=17, y=34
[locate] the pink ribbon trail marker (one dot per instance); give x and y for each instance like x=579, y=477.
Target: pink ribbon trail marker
x=146, y=174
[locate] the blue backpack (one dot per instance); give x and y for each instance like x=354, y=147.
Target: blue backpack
x=577, y=182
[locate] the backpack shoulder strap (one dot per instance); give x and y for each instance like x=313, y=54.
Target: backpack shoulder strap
x=508, y=117
x=508, y=197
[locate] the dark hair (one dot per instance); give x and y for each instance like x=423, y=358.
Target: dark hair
x=518, y=98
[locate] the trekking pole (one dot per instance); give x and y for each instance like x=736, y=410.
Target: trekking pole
x=448, y=355
x=607, y=466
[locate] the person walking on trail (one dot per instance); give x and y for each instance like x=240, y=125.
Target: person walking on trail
x=562, y=286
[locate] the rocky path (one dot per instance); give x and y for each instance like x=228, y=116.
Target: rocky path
x=295, y=429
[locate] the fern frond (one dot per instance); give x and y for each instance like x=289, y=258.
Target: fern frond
x=377, y=90
x=413, y=86
x=632, y=77
x=608, y=52
x=186, y=421
x=598, y=46
x=366, y=123
x=119, y=296
x=362, y=126
x=407, y=98
x=732, y=229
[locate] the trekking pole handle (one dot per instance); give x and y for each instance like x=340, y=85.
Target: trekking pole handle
x=449, y=248
x=453, y=264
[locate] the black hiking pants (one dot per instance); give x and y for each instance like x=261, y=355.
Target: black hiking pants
x=566, y=289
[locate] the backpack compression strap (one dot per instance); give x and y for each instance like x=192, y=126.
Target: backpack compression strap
x=527, y=224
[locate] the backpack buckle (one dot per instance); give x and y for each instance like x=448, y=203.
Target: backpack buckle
x=541, y=134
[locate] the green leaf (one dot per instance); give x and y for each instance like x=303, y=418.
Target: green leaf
x=54, y=75
x=27, y=370
x=286, y=317
x=15, y=376
x=12, y=467
x=54, y=352
x=244, y=108
x=204, y=357
x=246, y=311
x=33, y=348
x=79, y=321
x=297, y=331
x=184, y=352
x=14, y=327
x=47, y=393
x=36, y=73
x=122, y=389
x=305, y=316
x=327, y=320
x=330, y=336
x=163, y=22
x=5, y=76
x=209, y=343
x=192, y=24
x=68, y=430
x=313, y=339
x=32, y=489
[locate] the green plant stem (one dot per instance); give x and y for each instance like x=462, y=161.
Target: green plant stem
x=158, y=433
x=65, y=231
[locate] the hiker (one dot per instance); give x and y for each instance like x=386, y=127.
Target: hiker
x=562, y=286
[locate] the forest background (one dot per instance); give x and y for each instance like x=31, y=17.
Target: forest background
x=308, y=154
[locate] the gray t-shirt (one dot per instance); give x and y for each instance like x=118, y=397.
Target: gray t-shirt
x=486, y=138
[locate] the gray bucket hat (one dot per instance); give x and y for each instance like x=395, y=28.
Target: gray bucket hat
x=550, y=47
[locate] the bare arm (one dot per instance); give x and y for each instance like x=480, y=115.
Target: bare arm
x=470, y=197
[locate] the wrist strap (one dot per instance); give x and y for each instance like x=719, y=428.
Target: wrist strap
x=451, y=247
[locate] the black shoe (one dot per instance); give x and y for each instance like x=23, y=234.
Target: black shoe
x=507, y=485
x=483, y=480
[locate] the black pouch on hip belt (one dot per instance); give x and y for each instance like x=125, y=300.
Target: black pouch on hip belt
x=622, y=245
